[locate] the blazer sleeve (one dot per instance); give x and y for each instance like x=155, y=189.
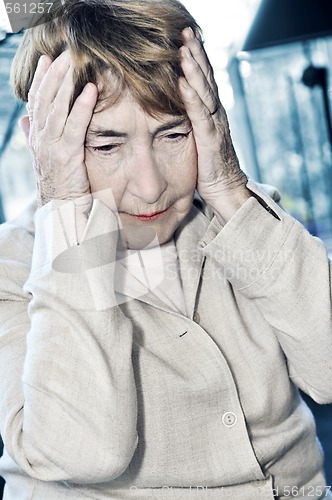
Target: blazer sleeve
x=271, y=258
x=68, y=397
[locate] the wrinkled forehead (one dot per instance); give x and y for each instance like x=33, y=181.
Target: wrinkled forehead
x=125, y=117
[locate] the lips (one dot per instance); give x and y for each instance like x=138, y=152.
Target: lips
x=149, y=217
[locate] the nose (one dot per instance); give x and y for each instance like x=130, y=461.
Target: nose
x=146, y=179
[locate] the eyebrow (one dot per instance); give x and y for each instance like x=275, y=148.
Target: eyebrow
x=101, y=132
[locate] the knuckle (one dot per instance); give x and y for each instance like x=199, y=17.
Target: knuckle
x=209, y=97
x=191, y=93
x=195, y=69
x=210, y=101
x=191, y=68
x=39, y=98
x=204, y=114
x=53, y=108
x=73, y=129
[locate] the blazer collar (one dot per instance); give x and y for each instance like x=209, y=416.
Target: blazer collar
x=191, y=259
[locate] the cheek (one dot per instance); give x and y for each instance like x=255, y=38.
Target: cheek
x=108, y=185
x=187, y=167
x=179, y=164
x=193, y=160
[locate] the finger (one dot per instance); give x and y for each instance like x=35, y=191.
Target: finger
x=197, y=80
x=196, y=48
x=49, y=88
x=202, y=122
x=43, y=65
x=80, y=116
x=59, y=108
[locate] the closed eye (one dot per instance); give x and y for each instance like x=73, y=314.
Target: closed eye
x=106, y=147
x=177, y=136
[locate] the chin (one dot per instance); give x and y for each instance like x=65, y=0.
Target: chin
x=142, y=236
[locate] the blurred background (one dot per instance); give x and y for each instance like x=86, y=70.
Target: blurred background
x=273, y=63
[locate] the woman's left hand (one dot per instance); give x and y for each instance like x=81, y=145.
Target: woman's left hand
x=221, y=182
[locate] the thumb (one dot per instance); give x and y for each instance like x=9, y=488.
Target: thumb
x=24, y=124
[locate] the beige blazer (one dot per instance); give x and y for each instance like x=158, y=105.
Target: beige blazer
x=103, y=398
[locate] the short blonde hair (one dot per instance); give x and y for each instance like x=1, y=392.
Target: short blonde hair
x=137, y=40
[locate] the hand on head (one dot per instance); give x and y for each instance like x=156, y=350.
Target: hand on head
x=219, y=172
x=56, y=134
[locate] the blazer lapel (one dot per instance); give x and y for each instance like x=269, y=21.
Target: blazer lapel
x=191, y=259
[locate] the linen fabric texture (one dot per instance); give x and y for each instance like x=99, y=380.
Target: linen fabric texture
x=103, y=398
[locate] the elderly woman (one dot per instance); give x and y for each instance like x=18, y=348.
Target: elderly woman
x=152, y=341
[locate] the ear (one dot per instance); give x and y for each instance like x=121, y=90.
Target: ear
x=24, y=124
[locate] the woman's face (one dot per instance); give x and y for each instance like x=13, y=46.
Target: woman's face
x=147, y=167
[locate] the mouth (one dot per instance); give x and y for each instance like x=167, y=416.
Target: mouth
x=149, y=217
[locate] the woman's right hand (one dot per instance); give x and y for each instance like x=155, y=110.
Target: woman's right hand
x=56, y=136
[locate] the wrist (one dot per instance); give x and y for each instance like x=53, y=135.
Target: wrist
x=227, y=203
x=80, y=197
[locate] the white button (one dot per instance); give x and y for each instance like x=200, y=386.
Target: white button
x=196, y=317
x=229, y=419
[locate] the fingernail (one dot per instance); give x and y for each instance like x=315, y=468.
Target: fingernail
x=191, y=34
x=41, y=62
x=87, y=91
